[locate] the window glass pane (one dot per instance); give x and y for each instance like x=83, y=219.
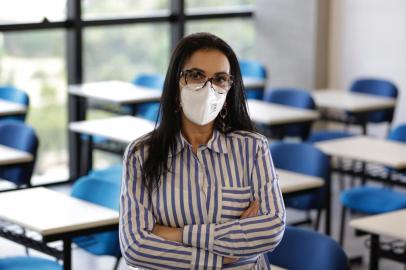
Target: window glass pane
x=121, y=52
x=216, y=3
x=242, y=41
x=92, y=9
x=35, y=63
x=25, y=11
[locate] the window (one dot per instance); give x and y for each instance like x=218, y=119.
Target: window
x=215, y=4
x=23, y=11
x=34, y=61
x=121, y=38
x=242, y=41
x=120, y=52
x=96, y=9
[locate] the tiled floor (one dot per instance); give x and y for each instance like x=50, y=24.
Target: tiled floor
x=82, y=260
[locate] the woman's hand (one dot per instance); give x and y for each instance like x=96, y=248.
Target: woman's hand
x=168, y=233
x=228, y=260
x=251, y=211
x=176, y=234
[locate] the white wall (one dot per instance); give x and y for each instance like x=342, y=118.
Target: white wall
x=368, y=38
x=286, y=41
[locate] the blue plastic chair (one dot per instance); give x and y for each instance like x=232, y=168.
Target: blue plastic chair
x=303, y=249
x=18, y=135
x=326, y=135
x=306, y=159
x=153, y=81
x=373, y=200
x=104, y=193
x=13, y=94
x=376, y=87
x=253, y=69
x=28, y=263
x=293, y=97
x=111, y=174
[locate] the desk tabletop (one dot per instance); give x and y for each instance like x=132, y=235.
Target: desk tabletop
x=10, y=156
x=116, y=92
x=251, y=82
x=11, y=108
x=123, y=129
x=49, y=212
x=293, y=182
x=276, y=114
x=350, y=101
x=367, y=149
x=392, y=224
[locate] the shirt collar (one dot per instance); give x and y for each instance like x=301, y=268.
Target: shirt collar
x=217, y=143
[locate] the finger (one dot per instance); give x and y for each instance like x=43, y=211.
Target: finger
x=255, y=209
x=252, y=209
x=247, y=212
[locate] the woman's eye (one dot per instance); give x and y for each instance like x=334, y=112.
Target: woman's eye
x=220, y=79
x=196, y=75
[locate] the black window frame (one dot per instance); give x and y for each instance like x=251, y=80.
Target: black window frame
x=74, y=25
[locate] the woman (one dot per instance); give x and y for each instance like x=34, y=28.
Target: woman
x=200, y=191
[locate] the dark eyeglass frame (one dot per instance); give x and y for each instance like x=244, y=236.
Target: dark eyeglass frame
x=230, y=79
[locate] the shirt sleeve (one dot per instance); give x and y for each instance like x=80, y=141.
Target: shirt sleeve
x=249, y=236
x=141, y=248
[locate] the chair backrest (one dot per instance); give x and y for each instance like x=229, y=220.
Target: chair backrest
x=254, y=69
x=28, y=262
x=306, y=159
x=18, y=135
x=398, y=134
x=294, y=97
x=13, y=94
x=104, y=193
x=303, y=249
x=328, y=135
x=377, y=87
x=112, y=173
x=153, y=81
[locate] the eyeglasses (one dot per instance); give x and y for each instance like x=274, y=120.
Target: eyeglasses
x=197, y=80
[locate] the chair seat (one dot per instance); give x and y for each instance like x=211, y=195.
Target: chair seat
x=96, y=139
x=94, y=243
x=28, y=263
x=325, y=135
x=112, y=174
x=373, y=200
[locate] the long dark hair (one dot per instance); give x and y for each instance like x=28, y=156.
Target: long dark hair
x=163, y=138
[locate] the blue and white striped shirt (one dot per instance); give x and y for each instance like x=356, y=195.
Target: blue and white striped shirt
x=205, y=193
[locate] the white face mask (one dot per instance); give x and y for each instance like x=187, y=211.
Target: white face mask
x=201, y=106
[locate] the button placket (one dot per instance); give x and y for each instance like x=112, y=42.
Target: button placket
x=202, y=169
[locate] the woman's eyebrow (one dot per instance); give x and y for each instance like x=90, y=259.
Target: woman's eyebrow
x=197, y=69
x=202, y=71
x=221, y=73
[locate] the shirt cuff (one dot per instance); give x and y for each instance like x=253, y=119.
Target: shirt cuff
x=203, y=259
x=199, y=235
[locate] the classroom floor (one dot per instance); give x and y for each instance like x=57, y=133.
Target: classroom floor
x=82, y=260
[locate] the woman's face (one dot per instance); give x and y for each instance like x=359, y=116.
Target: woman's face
x=210, y=62
x=202, y=101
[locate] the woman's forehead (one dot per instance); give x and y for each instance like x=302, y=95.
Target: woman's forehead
x=209, y=61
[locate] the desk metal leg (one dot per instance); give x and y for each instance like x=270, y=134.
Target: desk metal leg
x=328, y=206
x=67, y=254
x=77, y=112
x=87, y=156
x=374, y=253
